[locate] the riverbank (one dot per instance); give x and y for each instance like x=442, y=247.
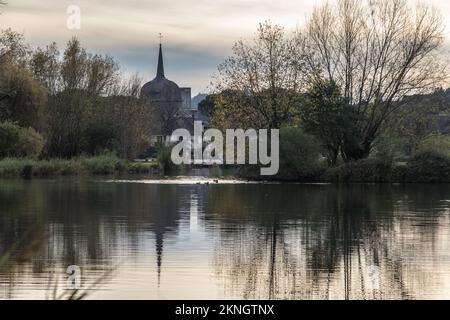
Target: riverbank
x=96, y=165
x=424, y=168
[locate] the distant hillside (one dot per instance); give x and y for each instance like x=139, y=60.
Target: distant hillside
x=437, y=102
x=197, y=99
x=424, y=114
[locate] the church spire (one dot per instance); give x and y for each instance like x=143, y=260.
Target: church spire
x=159, y=253
x=160, y=72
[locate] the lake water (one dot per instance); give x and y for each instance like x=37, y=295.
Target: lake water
x=191, y=240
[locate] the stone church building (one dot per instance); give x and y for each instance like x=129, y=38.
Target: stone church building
x=172, y=104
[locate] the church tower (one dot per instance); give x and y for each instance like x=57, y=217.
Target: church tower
x=173, y=102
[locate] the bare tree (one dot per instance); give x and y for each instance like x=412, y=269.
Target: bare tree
x=83, y=80
x=45, y=66
x=261, y=79
x=13, y=47
x=377, y=52
x=103, y=74
x=130, y=86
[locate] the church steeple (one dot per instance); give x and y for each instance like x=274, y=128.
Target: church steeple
x=159, y=253
x=160, y=72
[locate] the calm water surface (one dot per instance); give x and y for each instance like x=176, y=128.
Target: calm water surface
x=186, y=240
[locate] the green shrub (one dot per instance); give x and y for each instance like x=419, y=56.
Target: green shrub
x=56, y=167
x=10, y=167
x=19, y=142
x=104, y=164
x=142, y=167
x=437, y=144
x=300, y=155
x=9, y=139
x=300, y=158
x=367, y=170
x=426, y=166
x=30, y=143
x=165, y=160
x=389, y=149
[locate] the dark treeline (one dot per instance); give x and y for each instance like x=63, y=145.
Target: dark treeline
x=357, y=90
x=358, y=83
x=65, y=104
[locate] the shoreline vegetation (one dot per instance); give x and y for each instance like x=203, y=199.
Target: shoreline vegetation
x=378, y=111
x=94, y=165
x=425, y=167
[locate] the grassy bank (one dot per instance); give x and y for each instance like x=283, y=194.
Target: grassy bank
x=104, y=164
x=424, y=167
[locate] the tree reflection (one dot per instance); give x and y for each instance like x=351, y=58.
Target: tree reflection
x=280, y=241
x=339, y=242
x=76, y=222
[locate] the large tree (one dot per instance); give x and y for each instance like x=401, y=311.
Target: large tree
x=22, y=97
x=79, y=101
x=377, y=52
x=91, y=108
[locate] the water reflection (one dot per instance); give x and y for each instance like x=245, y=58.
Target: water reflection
x=352, y=242
x=247, y=241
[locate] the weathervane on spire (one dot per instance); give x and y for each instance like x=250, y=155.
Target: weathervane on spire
x=160, y=70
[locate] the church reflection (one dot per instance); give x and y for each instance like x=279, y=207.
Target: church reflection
x=246, y=241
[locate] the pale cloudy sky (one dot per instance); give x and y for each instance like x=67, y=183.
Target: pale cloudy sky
x=198, y=35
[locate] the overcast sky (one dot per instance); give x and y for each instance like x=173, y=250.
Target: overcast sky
x=197, y=35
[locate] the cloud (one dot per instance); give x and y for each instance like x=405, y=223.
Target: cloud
x=197, y=34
